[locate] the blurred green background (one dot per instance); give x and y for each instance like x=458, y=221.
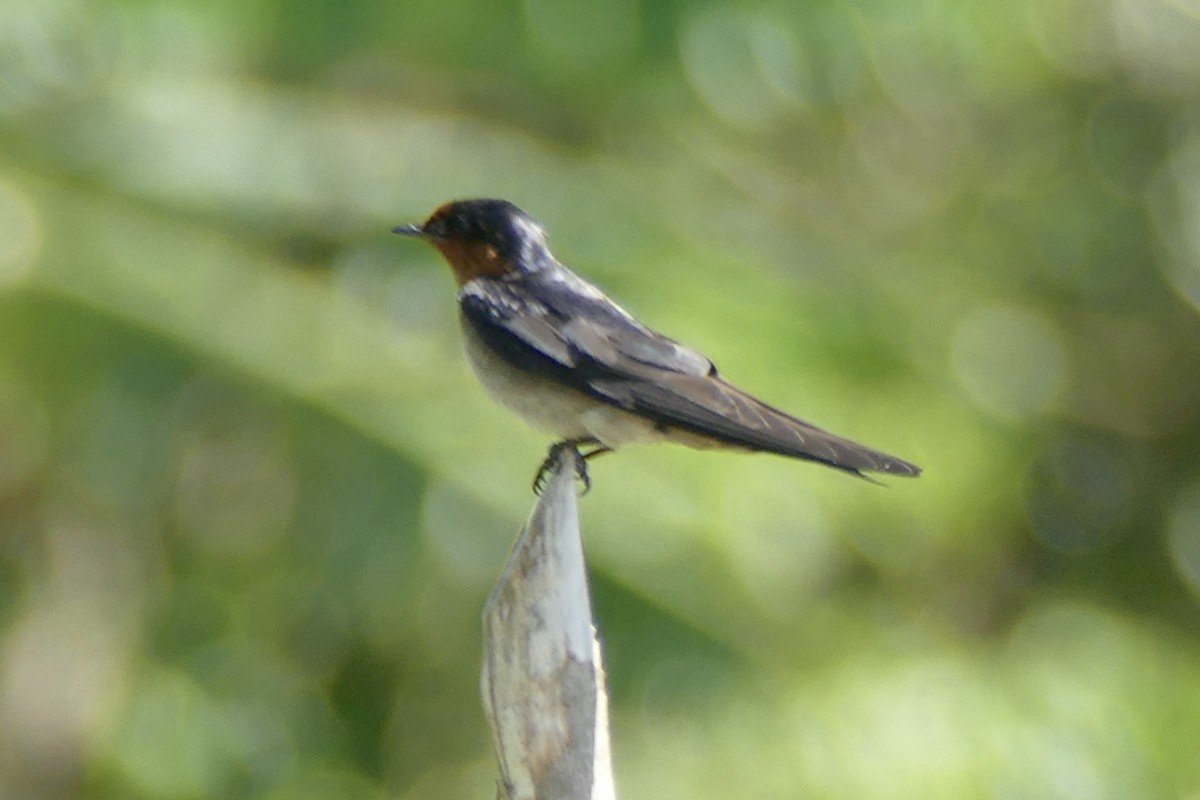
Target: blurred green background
x=252, y=501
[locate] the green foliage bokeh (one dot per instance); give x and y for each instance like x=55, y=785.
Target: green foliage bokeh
x=252, y=501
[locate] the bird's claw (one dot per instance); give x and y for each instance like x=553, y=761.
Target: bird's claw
x=548, y=466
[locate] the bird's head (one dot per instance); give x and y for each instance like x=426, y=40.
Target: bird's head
x=484, y=238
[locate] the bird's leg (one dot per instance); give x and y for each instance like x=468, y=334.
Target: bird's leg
x=599, y=451
x=573, y=445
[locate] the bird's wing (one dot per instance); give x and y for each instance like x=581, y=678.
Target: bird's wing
x=605, y=353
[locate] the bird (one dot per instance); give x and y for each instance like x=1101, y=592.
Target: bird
x=554, y=349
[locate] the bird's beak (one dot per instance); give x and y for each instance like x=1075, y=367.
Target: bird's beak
x=411, y=230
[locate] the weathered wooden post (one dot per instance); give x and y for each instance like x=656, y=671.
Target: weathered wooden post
x=543, y=677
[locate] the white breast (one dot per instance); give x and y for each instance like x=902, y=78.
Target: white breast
x=552, y=408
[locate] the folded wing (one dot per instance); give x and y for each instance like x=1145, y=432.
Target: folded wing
x=610, y=356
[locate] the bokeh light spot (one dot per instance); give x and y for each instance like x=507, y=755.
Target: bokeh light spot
x=48, y=48
x=1010, y=361
x=62, y=665
x=1175, y=208
x=1076, y=35
x=170, y=742
x=1157, y=39
x=21, y=242
x=745, y=68
x=899, y=170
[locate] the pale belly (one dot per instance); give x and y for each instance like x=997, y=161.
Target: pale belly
x=548, y=407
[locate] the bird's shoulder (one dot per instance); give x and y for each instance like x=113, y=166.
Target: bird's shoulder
x=571, y=321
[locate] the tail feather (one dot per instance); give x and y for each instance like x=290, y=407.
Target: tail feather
x=712, y=407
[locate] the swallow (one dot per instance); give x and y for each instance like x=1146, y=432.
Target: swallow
x=559, y=353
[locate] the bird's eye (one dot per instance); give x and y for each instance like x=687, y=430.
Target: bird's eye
x=491, y=253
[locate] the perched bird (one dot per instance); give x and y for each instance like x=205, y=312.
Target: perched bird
x=553, y=348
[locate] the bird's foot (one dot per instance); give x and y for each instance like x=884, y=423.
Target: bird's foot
x=581, y=470
x=570, y=446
